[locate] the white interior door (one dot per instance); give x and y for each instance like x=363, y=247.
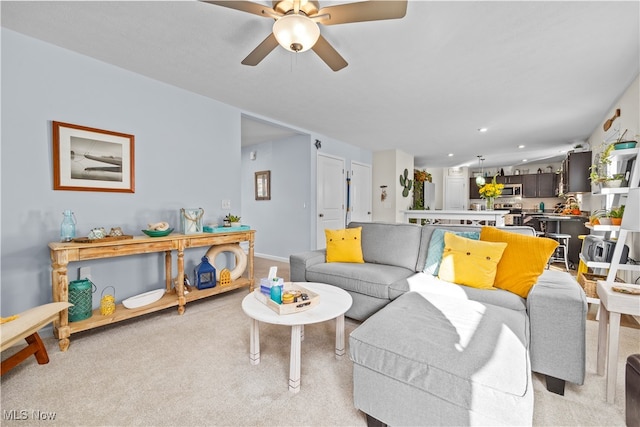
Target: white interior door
x=455, y=194
x=331, y=189
x=360, y=192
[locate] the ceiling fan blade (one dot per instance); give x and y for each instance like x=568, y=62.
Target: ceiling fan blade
x=245, y=6
x=328, y=54
x=260, y=52
x=363, y=11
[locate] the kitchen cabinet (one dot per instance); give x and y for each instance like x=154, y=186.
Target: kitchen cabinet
x=509, y=179
x=576, y=172
x=539, y=185
x=473, y=189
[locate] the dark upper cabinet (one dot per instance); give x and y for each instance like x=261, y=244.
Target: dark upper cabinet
x=576, y=172
x=473, y=189
x=547, y=185
x=509, y=179
x=539, y=185
x=530, y=185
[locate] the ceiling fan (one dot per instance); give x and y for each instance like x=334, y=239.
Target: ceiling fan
x=296, y=24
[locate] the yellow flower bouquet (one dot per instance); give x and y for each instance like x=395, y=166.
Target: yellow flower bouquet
x=490, y=191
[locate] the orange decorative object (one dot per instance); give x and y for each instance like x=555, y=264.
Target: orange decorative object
x=225, y=277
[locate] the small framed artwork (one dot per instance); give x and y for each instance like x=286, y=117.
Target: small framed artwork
x=263, y=185
x=88, y=159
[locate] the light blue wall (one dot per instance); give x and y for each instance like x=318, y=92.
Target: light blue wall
x=179, y=137
x=280, y=219
x=188, y=155
x=287, y=222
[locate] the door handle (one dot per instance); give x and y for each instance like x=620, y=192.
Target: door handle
x=321, y=215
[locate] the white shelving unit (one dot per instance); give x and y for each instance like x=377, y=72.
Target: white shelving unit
x=616, y=197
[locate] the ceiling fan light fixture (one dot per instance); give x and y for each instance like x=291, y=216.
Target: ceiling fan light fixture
x=296, y=33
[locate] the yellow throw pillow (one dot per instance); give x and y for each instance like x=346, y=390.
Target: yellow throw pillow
x=344, y=245
x=522, y=262
x=470, y=262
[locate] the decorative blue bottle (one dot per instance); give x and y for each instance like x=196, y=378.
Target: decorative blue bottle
x=68, y=226
x=276, y=292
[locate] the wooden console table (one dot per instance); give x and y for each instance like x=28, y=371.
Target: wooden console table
x=64, y=253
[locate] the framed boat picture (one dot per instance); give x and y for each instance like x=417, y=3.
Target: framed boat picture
x=89, y=159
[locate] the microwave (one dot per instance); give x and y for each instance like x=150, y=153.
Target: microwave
x=512, y=190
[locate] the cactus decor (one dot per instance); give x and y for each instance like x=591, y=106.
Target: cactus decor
x=406, y=183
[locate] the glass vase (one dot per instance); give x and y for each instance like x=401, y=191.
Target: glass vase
x=489, y=203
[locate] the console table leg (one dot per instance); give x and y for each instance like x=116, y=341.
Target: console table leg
x=64, y=344
x=60, y=291
x=167, y=270
x=180, y=279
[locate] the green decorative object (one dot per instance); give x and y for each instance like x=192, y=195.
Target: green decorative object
x=80, y=296
x=406, y=183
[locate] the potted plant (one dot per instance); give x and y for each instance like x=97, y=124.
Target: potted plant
x=599, y=169
x=597, y=216
x=232, y=221
x=616, y=215
x=614, y=181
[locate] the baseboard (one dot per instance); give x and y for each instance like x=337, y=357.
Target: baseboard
x=271, y=257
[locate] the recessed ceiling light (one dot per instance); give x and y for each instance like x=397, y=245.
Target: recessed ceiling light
x=482, y=129
x=521, y=146
x=524, y=160
x=450, y=154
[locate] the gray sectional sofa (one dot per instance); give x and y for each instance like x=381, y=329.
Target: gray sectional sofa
x=432, y=352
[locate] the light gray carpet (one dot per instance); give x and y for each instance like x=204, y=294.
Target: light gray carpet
x=193, y=370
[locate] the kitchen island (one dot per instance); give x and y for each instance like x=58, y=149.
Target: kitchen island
x=490, y=217
x=567, y=224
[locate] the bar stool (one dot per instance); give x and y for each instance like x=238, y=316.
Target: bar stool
x=561, y=253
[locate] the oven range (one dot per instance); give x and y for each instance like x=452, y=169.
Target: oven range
x=514, y=217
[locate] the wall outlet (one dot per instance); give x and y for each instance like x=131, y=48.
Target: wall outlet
x=84, y=273
x=226, y=204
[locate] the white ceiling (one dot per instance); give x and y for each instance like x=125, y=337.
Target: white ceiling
x=542, y=74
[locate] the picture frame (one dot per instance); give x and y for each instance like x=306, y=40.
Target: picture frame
x=263, y=185
x=90, y=159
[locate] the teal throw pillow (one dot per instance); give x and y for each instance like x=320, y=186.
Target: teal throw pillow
x=436, y=248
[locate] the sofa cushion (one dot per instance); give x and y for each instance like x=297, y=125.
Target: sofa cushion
x=523, y=261
x=368, y=279
x=436, y=248
x=391, y=244
x=470, y=262
x=426, y=283
x=446, y=346
x=344, y=245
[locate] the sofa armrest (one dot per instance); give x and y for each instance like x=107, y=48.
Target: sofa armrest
x=298, y=263
x=557, y=310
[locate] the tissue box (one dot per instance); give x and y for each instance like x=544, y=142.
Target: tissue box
x=295, y=307
x=265, y=285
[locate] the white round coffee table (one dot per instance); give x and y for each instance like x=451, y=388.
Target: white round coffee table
x=334, y=302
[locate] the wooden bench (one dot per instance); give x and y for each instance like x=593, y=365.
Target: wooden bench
x=26, y=326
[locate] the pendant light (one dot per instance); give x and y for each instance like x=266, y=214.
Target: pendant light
x=480, y=179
